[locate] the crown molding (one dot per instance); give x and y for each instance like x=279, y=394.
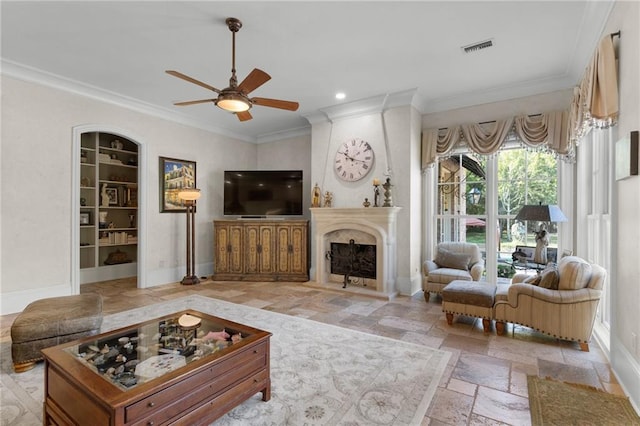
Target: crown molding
x=316, y=117
x=34, y=75
x=372, y=105
x=285, y=134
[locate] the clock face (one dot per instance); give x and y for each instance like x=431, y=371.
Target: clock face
x=354, y=159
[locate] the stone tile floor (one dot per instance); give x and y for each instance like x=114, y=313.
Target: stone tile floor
x=485, y=382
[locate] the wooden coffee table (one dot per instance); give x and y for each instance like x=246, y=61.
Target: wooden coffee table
x=157, y=372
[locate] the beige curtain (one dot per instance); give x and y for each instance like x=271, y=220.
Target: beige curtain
x=545, y=129
x=437, y=142
x=595, y=100
x=487, y=138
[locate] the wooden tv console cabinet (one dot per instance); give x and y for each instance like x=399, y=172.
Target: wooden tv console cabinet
x=181, y=383
x=261, y=250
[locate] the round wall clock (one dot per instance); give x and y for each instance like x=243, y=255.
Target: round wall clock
x=354, y=159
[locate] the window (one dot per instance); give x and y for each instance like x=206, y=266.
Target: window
x=513, y=178
x=593, y=214
x=461, y=189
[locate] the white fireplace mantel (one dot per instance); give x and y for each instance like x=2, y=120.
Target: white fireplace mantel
x=379, y=222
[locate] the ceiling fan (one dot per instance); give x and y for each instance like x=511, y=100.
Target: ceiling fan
x=235, y=98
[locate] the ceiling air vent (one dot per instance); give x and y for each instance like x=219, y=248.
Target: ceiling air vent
x=477, y=46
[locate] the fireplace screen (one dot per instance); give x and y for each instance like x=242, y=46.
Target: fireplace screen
x=357, y=260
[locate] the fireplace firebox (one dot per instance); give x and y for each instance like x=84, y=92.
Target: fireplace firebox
x=353, y=260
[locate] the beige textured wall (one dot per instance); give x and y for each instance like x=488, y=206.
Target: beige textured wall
x=37, y=123
x=625, y=288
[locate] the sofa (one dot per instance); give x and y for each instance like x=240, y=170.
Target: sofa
x=453, y=261
x=561, y=302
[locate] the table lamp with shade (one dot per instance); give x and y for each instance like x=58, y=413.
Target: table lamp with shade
x=189, y=196
x=541, y=213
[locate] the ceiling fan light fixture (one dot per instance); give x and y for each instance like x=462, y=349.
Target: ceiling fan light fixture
x=233, y=102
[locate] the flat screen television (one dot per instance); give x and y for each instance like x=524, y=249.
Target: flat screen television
x=258, y=193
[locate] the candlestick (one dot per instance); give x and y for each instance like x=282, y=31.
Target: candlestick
x=376, y=181
x=387, y=193
x=376, y=195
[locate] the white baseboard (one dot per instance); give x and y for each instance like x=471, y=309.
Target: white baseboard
x=627, y=370
x=408, y=286
x=16, y=301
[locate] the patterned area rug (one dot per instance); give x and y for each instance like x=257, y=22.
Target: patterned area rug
x=321, y=374
x=557, y=403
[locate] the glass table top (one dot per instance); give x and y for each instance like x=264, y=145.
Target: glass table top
x=144, y=352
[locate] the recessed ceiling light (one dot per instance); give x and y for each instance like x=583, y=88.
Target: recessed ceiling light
x=340, y=95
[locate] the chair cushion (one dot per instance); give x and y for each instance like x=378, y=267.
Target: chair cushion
x=575, y=273
x=446, y=275
x=447, y=259
x=469, y=293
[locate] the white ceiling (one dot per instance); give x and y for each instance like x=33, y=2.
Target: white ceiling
x=120, y=50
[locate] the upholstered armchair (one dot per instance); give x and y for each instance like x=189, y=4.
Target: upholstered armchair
x=453, y=261
x=565, y=310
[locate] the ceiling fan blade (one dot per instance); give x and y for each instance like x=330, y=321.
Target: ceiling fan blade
x=255, y=79
x=191, y=80
x=201, y=101
x=244, y=115
x=276, y=103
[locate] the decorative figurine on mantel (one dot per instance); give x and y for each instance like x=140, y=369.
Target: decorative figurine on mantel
x=366, y=202
x=315, y=196
x=328, y=199
x=387, y=193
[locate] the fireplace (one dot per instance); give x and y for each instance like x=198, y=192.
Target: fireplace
x=374, y=227
x=357, y=260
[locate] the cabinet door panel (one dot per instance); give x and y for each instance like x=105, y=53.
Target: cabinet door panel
x=259, y=253
x=236, y=244
x=283, y=249
x=228, y=248
x=298, y=253
x=222, y=241
x=267, y=242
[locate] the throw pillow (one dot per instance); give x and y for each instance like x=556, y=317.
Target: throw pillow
x=533, y=280
x=575, y=273
x=447, y=259
x=549, y=278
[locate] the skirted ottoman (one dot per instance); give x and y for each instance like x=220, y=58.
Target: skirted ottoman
x=470, y=298
x=50, y=322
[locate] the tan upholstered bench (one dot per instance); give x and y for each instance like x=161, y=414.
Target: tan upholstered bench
x=50, y=322
x=470, y=298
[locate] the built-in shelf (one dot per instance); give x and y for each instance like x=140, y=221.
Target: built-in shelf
x=108, y=167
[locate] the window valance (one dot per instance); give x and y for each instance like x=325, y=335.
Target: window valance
x=544, y=130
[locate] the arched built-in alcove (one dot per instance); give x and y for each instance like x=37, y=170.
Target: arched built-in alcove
x=108, y=205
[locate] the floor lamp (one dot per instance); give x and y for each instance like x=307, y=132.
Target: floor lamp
x=189, y=196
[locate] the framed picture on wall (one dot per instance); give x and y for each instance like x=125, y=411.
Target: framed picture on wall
x=175, y=175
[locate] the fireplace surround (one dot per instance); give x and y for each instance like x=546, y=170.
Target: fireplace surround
x=372, y=225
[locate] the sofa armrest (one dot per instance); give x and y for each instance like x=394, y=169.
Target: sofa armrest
x=476, y=270
x=551, y=296
x=428, y=266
